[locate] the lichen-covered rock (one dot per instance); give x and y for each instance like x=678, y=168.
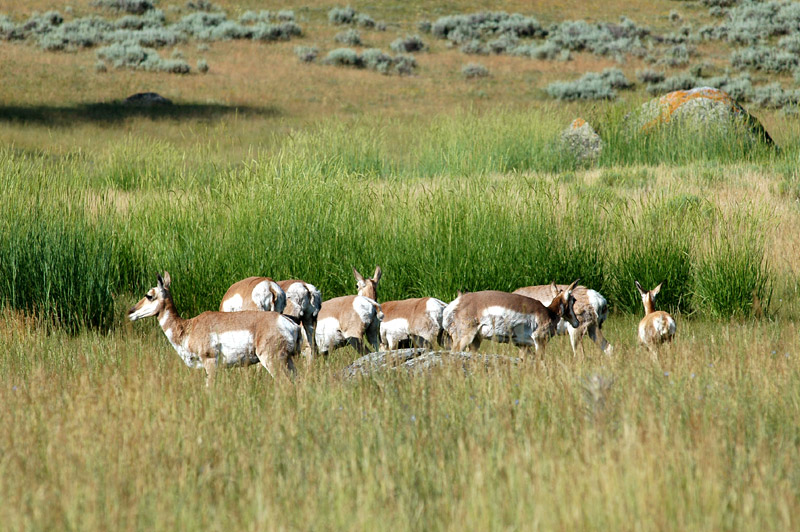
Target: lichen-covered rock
x=419, y=360
x=146, y=99
x=580, y=139
x=704, y=106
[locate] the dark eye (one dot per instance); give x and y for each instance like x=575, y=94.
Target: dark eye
x=149, y=297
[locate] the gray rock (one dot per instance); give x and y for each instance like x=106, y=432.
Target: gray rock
x=701, y=106
x=419, y=360
x=580, y=139
x=146, y=99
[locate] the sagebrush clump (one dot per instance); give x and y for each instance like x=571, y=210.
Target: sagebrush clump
x=306, y=54
x=408, y=44
x=350, y=37
x=474, y=70
x=591, y=86
x=372, y=59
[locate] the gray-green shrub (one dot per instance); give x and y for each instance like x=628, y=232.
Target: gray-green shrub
x=408, y=44
x=474, y=70
x=351, y=37
x=765, y=58
x=129, y=6
x=590, y=86
x=306, y=54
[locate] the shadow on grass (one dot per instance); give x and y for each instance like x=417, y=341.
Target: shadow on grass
x=113, y=112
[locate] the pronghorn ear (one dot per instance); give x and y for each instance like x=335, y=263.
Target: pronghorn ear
x=554, y=289
x=657, y=289
x=167, y=280
x=570, y=288
x=358, y=276
x=377, y=276
x=639, y=288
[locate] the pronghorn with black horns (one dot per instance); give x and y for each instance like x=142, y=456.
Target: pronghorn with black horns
x=657, y=326
x=222, y=339
x=297, y=299
x=505, y=317
x=591, y=308
x=346, y=320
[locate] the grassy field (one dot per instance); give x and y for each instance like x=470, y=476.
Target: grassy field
x=268, y=166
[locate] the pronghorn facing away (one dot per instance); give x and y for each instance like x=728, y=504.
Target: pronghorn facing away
x=505, y=317
x=418, y=321
x=591, y=308
x=303, y=303
x=347, y=319
x=226, y=339
x=254, y=293
x=657, y=326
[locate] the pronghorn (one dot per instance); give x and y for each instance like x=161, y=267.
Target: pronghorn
x=347, y=319
x=254, y=293
x=505, y=317
x=225, y=339
x=591, y=308
x=657, y=326
x=297, y=299
x=303, y=302
x=418, y=321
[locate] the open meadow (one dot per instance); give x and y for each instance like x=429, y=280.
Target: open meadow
x=445, y=167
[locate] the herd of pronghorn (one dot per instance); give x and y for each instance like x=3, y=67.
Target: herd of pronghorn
x=261, y=320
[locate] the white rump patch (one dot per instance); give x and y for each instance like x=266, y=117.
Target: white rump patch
x=448, y=313
x=232, y=304
x=328, y=334
x=264, y=298
x=291, y=332
x=435, y=309
x=599, y=304
x=365, y=308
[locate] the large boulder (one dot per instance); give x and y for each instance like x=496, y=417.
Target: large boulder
x=702, y=106
x=420, y=360
x=580, y=139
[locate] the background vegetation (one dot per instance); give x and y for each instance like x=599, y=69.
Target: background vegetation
x=272, y=161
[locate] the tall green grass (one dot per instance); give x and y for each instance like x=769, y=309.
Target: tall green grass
x=466, y=202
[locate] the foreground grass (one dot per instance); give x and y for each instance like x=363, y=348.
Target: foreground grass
x=113, y=432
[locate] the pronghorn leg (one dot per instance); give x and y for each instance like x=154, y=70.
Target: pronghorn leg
x=210, y=365
x=524, y=352
x=357, y=344
x=653, y=353
x=373, y=335
x=596, y=334
x=475, y=344
x=575, y=340
x=308, y=327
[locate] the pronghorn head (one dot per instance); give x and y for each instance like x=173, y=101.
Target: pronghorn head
x=565, y=302
x=368, y=287
x=153, y=301
x=648, y=297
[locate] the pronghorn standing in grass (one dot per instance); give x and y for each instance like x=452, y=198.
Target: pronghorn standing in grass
x=505, y=317
x=214, y=339
x=346, y=320
x=657, y=326
x=297, y=299
x=591, y=308
x=417, y=321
